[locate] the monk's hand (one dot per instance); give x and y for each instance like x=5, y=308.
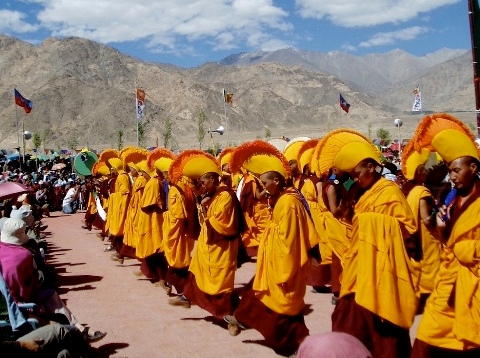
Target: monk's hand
x=33, y=345
x=442, y=217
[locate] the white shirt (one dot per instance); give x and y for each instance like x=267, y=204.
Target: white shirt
x=69, y=196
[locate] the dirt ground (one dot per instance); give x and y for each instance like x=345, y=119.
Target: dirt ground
x=107, y=296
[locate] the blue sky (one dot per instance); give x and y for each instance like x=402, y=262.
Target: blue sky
x=188, y=33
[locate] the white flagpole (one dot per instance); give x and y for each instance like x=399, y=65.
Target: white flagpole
x=226, y=122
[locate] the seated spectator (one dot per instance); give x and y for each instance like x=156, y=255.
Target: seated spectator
x=21, y=275
x=55, y=340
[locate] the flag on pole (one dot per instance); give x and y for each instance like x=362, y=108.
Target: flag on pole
x=227, y=97
x=417, y=104
x=22, y=101
x=140, y=103
x=344, y=104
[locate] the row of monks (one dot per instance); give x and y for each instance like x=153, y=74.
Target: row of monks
x=316, y=212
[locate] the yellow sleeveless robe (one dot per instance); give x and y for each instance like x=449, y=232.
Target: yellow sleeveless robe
x=282, y=261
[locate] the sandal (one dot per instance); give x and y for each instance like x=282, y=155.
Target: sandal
x=95, y=337
x=108, y=248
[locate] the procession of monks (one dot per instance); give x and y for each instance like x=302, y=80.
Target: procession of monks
x=316, y=212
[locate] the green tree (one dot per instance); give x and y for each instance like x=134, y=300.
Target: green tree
x=268, y=133
x=141, y=134
x=384, y=135
x=202, y=118
x=120, y=139
x=73, y=142
x=167, y=131
x=46, y=136
x=370, y=130
x=37, y=140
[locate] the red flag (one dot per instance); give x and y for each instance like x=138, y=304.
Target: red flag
x=22, y=101
x=345, y=106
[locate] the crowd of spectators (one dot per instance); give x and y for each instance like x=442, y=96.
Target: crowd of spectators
x=27, y=277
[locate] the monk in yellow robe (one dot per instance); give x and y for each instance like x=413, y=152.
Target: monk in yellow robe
x=254, y=203
x=450, y=326
x=180, y=230
x=131, y=232
x=378, y=297
x=319, y=272
x=118, y=203
x=150, y=219
x=212, y=271
x=274, y=300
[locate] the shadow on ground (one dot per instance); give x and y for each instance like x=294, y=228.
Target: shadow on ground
x=109, y=349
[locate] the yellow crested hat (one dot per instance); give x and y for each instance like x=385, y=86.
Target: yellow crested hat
x=116, y=163
x=106, y=154
x=327, y=149
x=197, y=165
x=133, y=155
x=143, y=166
x=305, y=153
x=452, y=144
x=163, y=164
x=351, y=154
x=446, y=135
x=259, y=157
x=100, y=168
x=411, y=159
x=175, y=172
x=225, y=156
x=293, y=147
x=157, y=154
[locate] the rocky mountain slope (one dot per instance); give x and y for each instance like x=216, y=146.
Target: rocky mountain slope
x=84, y=94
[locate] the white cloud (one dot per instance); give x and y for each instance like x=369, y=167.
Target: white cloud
x=364, y=13
x=14, y=21
x=388, y=38
x=163, y=24
x=348, y=47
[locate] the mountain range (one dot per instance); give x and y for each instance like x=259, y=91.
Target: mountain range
x=84, y=94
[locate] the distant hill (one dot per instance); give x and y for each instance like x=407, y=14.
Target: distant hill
x=372, y=73
x=84, y=94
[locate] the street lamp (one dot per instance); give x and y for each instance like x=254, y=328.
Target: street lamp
x=398, y=123
x=220, y=130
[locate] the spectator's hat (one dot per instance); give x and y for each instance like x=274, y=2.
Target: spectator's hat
x=2, y=221
x=23, y=213
x=22, y=197
x=13, y=232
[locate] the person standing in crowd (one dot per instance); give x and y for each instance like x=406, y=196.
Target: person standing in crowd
x=450, y=322
x=274, y=300
x=180, y=224
x=422, y=204
x=378, y=297
x=210, y=284
x=131, y=158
